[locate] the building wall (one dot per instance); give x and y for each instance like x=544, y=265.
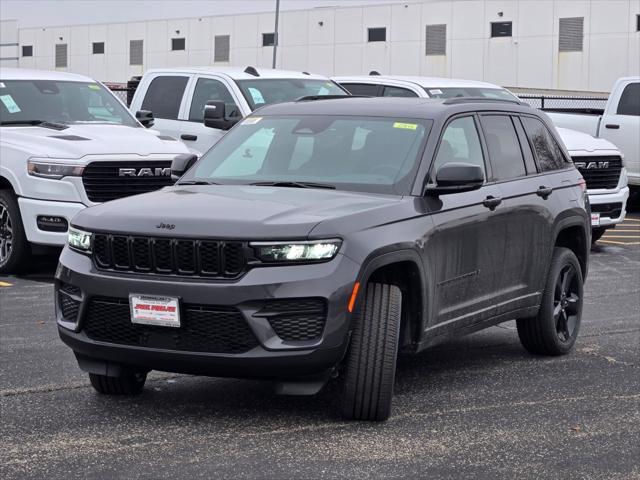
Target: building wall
x=333, y=41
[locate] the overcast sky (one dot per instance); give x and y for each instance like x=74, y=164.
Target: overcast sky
x=36, y=13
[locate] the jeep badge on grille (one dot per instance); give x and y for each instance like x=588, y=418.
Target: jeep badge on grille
x=144, y=172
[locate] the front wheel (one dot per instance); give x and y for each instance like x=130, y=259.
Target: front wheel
x=370, y=365
x=15, y=251
x=555, y=329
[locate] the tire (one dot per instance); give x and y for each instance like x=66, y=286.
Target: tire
x=129, y=384
x=370, y=364
x=596, y=234
x=15, y=251
x=555, y=329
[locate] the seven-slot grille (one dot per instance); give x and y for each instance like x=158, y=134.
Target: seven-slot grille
x=169, y=256
x=599, y=172
x=103, y=182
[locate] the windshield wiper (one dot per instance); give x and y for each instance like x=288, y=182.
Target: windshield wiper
x=39, y=123
x=294, y=184
x=197, y=182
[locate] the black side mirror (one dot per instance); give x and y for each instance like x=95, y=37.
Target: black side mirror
x=181, y=164
x=457, y=177
x=145, y=117
x=215, y=116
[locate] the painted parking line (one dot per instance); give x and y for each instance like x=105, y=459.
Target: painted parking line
x=618, y=243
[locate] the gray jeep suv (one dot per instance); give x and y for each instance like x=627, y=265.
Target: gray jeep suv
x=320, y=237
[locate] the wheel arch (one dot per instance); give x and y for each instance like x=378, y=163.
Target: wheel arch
x=571, y=234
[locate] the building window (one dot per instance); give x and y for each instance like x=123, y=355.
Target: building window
x=27, y=50
x=378, y=34
x=268, y=39
x=437, y=39
x=135, y=52
x=98, y=48
x=571, y=32
x=61, y=55
x=178, y=44
x=221, y=47
x=501, y=29
x=638, y=22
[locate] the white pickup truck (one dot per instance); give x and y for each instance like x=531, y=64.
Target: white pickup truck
x=178, y=97
x=66, y=143
x=619, y=123
x=598, y=160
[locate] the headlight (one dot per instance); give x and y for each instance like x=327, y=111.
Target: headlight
x=79, y=240
x=53, y=170
x=313, y=251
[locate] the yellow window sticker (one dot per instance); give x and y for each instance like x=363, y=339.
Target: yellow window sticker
x=251, y=120
x=10, y=104
x=405, y=126
x=94, y=86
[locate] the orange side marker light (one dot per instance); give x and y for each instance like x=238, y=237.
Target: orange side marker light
x=354, y=296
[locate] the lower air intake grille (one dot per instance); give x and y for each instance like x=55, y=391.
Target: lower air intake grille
x=67, y=304
x=204, y=328
x=296, y=320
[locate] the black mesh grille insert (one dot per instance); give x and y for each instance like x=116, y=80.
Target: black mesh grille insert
x=204, y=328
x=105, y=181
x=67, y=304
x=168, y=256
x=296, y=320
x=599, y=172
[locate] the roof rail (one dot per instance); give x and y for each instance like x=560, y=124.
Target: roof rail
x=457, y=100
x=251, y=71
x=312, y=98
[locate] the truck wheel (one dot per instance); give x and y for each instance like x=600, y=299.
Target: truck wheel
x=555, y=329
x=15, y=251
x=596, y=234
x=370, y=365
x=129, y=384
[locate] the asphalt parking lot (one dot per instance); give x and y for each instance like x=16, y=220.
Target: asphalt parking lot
x=478, y=407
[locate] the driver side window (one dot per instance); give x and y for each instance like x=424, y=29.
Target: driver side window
x=460, y=143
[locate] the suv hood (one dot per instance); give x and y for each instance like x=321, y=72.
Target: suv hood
x=240, y=212
x=88, y=139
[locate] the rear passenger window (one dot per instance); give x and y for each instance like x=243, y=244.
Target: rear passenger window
x=505, y=153
x=164, y=96
x=398, y=92
x=547, y=150
x=630, y=100
x=207, y=90
x=362, y=89
x=460, y=143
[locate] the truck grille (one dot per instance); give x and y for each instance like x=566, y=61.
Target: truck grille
x=203, y=328
x=102, y=180
x=169, y=256
x=296, y=320
x=599, y=172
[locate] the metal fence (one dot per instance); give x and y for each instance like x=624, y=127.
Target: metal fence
x=564, y=103
x=123, y=93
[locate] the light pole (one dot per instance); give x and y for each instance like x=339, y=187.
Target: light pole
x=275, y=34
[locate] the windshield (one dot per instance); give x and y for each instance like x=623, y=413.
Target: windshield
x=453, y=92
x=33, y=101
x=371, y=154
x=261, y=92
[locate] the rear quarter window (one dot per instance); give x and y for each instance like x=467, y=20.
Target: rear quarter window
x=546, y=149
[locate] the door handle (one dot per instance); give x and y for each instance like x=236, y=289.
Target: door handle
x=613, y=126
x=186, y=136
x=492, y=202
x=544, y=192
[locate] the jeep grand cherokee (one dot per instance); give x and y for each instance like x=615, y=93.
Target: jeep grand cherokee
x=320, y=237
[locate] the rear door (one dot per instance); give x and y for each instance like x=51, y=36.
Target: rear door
x=165, y=97
x=205, y=88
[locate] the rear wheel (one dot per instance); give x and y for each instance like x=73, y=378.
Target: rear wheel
x=15, y=251
x=127, y=384
x=555, y=329
x=370, y=365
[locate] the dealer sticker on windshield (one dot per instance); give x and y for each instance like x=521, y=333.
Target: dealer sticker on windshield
x=161, y=311
x=10, y=103
x=406, y=126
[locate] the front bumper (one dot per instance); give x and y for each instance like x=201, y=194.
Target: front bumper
x=271, y=357
x=31, y=209
x=611, y=206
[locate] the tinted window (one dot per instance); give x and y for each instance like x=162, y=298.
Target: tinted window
x=177, y=44
x=504, y=148
x=398, y=92
x=98, y=48
x=501, y=29
x=460, y=143
x=268, y=39
x=547, y=150
x=361, y=89
x=630, y=100
x=208, y=90
x=27, y=50
x=377, y=34
x=164, y=96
